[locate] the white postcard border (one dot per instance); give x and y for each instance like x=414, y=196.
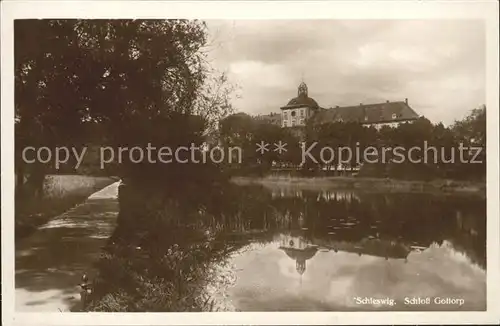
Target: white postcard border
x=484, y=10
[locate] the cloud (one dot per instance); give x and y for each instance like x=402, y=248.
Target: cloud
x=439, y=65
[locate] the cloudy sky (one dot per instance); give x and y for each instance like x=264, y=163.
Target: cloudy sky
x=438, y=65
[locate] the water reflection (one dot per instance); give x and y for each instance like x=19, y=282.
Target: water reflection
x=303, y=250
x=298, y=249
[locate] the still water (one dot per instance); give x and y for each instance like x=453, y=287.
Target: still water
x=334, y=250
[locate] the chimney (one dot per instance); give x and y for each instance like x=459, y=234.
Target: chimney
x=387, y=101
x=337, y=106
x=406, y=101
x=360, y=104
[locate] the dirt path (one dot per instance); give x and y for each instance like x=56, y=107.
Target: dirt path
x=50, y=263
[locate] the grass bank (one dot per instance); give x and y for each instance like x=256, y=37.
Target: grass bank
x=60, y=193
x=163, y=254
x=163, y=267
x=137, y=278
x=369, y=184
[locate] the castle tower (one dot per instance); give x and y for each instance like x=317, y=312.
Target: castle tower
x=298, y=109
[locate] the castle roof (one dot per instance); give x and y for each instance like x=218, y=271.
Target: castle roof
x=368, y=114
x=302, y=99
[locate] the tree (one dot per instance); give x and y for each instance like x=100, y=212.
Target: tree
x=345, y=138
x=47, y=106
x=471, y=132
x=472, y=128
x=244, y=131
x=120, y=74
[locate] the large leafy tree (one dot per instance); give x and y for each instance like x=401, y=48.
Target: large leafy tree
x=105, y=80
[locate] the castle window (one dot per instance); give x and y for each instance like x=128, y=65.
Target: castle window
x=294, y=113
x=394, y=115
x=285, y=115
x=302, y=112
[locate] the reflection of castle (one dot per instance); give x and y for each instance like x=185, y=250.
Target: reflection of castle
x=298, y=249
x=326, y=195
x=371, y=247
x=301, y=249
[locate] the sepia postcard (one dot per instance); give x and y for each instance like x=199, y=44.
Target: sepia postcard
x=263, y=163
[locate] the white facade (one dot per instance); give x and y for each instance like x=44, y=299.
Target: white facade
x=295, y=117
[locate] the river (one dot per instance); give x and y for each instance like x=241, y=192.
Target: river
x=341, y=250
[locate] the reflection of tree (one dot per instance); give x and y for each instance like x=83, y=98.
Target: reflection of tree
x=468, y=234
x=389, y=224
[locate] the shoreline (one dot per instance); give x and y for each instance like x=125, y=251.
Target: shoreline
x=370, y=184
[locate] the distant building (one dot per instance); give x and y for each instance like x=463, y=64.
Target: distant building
x=303, y=108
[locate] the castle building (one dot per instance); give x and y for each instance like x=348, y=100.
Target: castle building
x=299, y=109
x=303, y=108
